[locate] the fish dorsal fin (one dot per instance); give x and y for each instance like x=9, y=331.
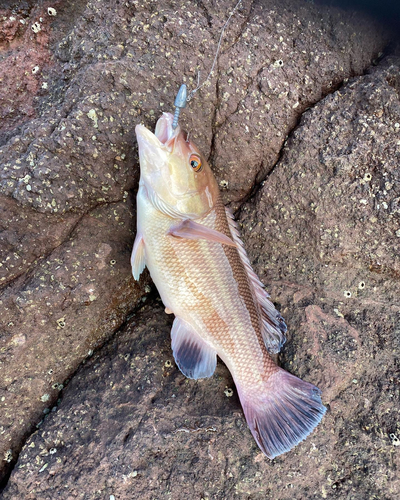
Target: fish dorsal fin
x=194, y=357
x=194, y=231
x=138, y=260
x=273, y=325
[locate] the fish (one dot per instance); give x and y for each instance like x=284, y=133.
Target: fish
x=192, y=248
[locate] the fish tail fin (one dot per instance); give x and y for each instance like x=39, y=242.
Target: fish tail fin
x=284, y=413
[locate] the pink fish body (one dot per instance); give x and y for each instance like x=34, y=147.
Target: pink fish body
x=192, y=248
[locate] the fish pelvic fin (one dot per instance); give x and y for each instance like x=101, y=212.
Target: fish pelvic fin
x=273, y=326
x=194, y=231
x=193, y=356
x=138, y=260
x=284, y=414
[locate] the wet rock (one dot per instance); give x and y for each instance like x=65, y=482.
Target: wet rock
x=324, y=234
x=131, y=425
x=55, y=314
x=69, y=162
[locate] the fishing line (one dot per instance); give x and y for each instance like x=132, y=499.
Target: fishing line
x=182, y=97
x=192, y=92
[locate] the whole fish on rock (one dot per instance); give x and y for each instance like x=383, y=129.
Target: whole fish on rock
x=191, y=246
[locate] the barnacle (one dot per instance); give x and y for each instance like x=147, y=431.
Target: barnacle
x=61, y=322
x=36, y=27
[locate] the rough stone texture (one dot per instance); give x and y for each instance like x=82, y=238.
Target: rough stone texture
x=68, y=163
x=261, y=98
x=324, y=232
x=55, y=314
x=23, y=54
x=130, y=425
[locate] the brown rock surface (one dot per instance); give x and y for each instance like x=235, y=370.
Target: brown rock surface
x=67, y=229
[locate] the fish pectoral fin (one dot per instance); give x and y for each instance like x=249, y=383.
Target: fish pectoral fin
x=138, y=260
x=193, y=356
x=195, y=231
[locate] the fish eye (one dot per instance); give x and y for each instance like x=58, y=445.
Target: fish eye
x=195, y=163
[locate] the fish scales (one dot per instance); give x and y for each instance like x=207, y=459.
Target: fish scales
x=208, y=285
x=244, y=287
x=197, y=261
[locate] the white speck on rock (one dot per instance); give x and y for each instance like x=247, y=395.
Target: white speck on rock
x=338, y=313
x=93, y=116
x=395, y=440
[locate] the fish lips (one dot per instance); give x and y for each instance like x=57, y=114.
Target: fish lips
x=155, y=156
x=155, y=149
x=164, y=137
x=164, y=131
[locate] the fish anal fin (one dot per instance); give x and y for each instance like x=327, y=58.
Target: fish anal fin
x=193, y=356
x=138, y=260
x=192, y=230
x=273, y=325
x=284, y=414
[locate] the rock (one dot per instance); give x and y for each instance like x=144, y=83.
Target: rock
x=261, y=97
x=69, y=162
x=131, y=425
x=67, y=224
x=323, y=233
x=135, y=425
x=55, y=314
x=24, y=54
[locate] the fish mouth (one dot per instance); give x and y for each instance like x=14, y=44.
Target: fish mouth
x=164, y=136
x=164, y=131
x=155, y=149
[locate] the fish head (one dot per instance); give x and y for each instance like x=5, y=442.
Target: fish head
x=175, y=174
